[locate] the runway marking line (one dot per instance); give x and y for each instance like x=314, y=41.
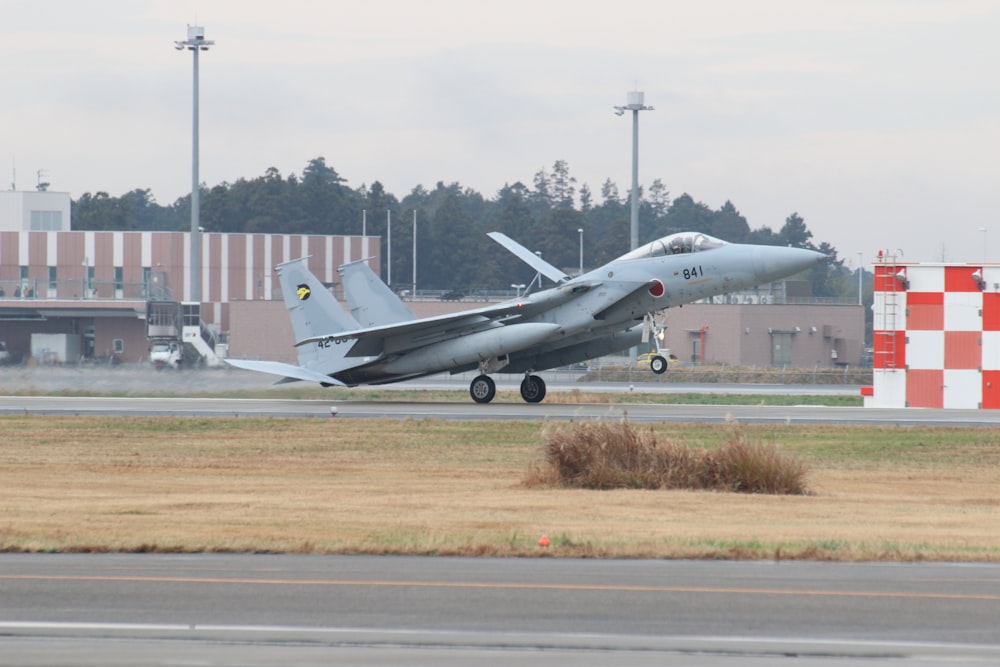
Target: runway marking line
x=515, y=585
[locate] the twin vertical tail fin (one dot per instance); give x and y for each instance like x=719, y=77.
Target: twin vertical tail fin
x=313, y=309
x=371, y=301
x=314, y=313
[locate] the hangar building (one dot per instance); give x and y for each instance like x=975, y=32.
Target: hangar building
x=90, y=294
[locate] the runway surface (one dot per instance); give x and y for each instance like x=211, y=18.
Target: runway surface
x=253, y=609
x=133, y=381
x=224, y=407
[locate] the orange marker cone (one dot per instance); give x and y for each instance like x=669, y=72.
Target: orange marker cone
x=544, y=541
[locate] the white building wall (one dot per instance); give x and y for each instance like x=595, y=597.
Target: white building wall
x=16, y=207
x=963, y=311
x=962, y=388
x=925, y=278
x=885, y=318
x=888, y=386
x=925, y=350
x=991, y=350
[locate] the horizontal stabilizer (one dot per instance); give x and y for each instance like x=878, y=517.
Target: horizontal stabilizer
x=284, y=370
x=529, y=258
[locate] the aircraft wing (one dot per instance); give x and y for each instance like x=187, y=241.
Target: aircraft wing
x=417, y=333
x=288, y=371
x=529, y=258
x=403, y=336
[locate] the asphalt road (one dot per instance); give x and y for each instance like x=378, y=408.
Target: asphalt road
x=304, y=610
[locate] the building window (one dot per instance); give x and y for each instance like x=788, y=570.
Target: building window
x=46, y=221
x=53, y=280
x=119, y=278
x=118, y=344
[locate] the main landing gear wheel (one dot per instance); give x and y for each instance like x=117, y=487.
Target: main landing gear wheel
x=658, y=365
x=533, y=389
x=483, y=389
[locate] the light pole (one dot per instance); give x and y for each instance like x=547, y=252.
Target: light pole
x=635, y=105
x=414, y=252
x=517, y=288
x=194, y=43
x=580, y=232
x=861, y=273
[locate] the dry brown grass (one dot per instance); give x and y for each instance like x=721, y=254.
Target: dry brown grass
x=395, y=486
x=617, y=455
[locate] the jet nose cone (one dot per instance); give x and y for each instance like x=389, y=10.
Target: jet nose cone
x=776, y=262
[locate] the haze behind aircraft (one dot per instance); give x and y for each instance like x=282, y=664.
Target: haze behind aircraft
x=600, y=312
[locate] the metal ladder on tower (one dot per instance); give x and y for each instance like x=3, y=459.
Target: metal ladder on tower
x=890, y=273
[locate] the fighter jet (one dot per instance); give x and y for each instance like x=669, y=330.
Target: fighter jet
x=599, y=312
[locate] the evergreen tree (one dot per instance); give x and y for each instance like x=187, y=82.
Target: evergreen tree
x=686, y=215
x=586, y=199
x=794, y=232
x=563, y=185
x=729, y=225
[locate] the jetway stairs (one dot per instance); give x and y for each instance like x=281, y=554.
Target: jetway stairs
x=180, y=322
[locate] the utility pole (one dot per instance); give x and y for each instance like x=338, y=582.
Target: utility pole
x=194, y=43
x=635, y=105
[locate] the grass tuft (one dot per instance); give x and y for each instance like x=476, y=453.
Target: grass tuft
x=614, y=455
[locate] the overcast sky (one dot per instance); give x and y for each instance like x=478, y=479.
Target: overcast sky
x=877, y=121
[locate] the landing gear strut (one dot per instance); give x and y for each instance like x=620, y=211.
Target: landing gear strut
x=482, y=389
x=532, y=389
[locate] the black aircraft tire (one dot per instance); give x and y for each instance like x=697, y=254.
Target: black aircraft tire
x=658, y=365
x=533, y=389
x=483, y=389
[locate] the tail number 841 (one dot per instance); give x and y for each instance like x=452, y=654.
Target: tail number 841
x=693, y=272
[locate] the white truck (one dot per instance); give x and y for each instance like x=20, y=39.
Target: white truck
x=165, y=354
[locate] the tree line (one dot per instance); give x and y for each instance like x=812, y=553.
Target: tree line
x=453, y=251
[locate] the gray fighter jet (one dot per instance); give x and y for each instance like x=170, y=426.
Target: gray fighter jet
x=600, y=312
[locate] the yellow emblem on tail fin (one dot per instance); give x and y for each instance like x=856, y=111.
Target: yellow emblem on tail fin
x=303, y=292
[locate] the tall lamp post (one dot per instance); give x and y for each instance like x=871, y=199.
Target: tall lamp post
x=861, y=273
x=635, y=105
x=580, y=232
x=194, y=43
x=414, y=252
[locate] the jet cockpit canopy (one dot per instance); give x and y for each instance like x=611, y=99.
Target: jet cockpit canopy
x=676, y=244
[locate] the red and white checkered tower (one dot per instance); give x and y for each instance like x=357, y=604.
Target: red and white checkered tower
x=936, y=335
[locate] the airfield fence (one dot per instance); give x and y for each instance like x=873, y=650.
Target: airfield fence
x=728, y=374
